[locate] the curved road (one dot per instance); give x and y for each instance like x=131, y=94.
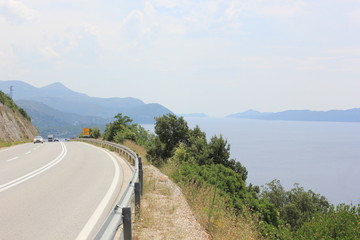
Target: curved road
x=58, y=190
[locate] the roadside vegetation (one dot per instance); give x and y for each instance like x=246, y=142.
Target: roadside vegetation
x=9, y=144
x=216, y=187
x=7, y=101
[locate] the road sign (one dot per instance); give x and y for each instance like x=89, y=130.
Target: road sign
x=86, y=132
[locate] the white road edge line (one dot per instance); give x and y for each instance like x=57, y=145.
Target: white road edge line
x=36, y=172
x=89, y=226
x=9, y=148
x=6, y=149
x=12, y=159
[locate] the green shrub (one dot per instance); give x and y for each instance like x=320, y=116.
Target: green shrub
x=295, y=206
x=95, y=132
x=340, y=222
x=230, y=185
x=122, y=129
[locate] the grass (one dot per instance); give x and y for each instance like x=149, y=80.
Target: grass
x=147, y=219
x=141, y=151
x=4, y=144
x=156, y=214
x=210, y=211
x=207, y=205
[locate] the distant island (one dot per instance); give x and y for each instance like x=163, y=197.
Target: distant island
x=351, y=115
x=198, y=115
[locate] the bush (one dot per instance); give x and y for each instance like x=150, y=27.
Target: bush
x=341, y=222
x=219, y=220
x=295, y=206
x=95, y=132
x=122, y=129
x=230, y=185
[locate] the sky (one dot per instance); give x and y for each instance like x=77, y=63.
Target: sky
x=216, y=56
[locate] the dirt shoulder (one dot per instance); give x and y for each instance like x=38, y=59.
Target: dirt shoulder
x=165, y=213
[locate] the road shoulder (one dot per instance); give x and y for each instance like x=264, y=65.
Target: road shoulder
x=165, y=213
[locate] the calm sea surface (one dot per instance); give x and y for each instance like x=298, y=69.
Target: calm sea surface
x=321, y=156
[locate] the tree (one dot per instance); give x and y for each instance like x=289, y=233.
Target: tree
x=170, y=131
x=123, y=129
x=218, y=152
x=125, y=133
x=295, y=206
x=196, y=147
x=120, y=124
x=95, y=132
x=196, y=133
x=142, y=136
x=275, y=193
x=157, y=152
x=340, y=222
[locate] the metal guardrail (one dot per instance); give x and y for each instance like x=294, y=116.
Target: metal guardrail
x=129, y=203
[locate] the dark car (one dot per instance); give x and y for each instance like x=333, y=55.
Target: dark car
x=50, y=138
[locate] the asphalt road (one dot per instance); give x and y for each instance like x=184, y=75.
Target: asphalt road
x=58, y=190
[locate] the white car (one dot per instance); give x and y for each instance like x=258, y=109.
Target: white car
x=38, y=139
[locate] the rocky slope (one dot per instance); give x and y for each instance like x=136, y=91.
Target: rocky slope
x=14, y=123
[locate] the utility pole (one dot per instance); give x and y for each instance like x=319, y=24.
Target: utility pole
x=11, y=91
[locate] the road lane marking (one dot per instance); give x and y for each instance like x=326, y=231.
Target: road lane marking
x=28, y=152
x=35, y=172
x=89, y=226
x=12, y=159
x=35, y=148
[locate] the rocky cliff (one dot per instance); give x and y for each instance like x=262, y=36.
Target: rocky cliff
x=15, y=125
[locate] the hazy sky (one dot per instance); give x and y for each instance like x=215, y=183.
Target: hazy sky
x=213, y=56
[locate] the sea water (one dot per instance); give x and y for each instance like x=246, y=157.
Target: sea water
x=321, y=156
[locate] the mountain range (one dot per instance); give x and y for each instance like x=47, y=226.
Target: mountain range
x=351, y=115
x=56, y=109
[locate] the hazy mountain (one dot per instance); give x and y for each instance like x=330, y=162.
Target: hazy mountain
x=198, y=115
x=61, y=98
x=61, y=124
x=351, y=115
x=250, y=114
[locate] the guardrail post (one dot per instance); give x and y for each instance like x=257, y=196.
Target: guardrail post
x=137, y=198
x=126, y=213
x=141, y=175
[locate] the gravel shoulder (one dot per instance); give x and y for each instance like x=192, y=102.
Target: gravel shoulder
x=165, y=213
